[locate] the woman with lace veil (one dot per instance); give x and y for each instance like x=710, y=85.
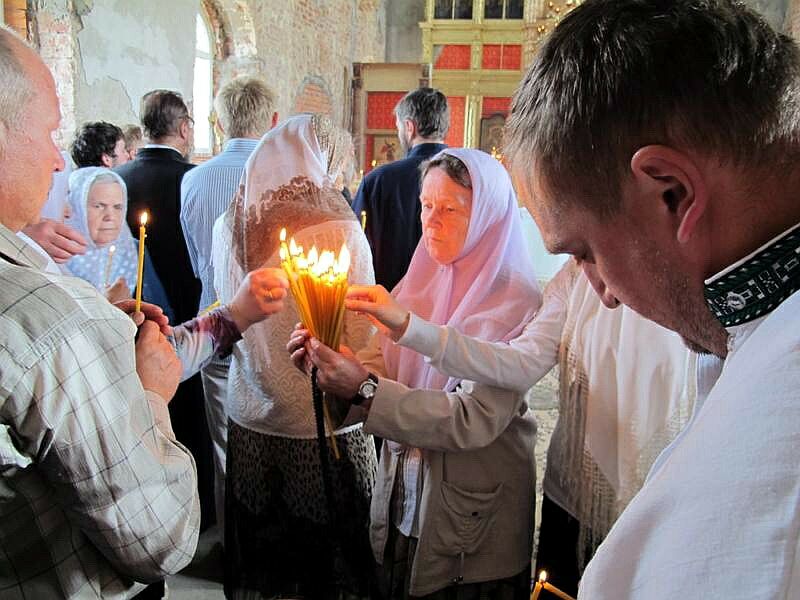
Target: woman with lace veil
x=281, y=538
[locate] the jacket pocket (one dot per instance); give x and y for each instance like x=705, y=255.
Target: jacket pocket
x=464, y=519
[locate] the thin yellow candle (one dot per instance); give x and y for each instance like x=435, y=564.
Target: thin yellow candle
x=107, y=273
x=551, y=588
x=140, y=271
x=537, y=589
x=209, y=308
x=363, y=220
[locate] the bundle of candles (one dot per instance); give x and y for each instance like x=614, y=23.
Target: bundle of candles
x=318, y=282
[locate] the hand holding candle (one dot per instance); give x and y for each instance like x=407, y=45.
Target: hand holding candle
x=140, y=270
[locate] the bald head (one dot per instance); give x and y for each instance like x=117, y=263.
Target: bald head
x=16, y=60
x=29, y=116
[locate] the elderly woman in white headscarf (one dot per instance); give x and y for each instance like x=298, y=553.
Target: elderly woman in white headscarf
x=452, y=512
x=98, y=201
x=281, y=538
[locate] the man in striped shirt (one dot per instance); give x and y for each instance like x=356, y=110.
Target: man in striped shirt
x=245, y=112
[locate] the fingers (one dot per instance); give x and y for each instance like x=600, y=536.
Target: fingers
x=148, y=333
x=364, y=292
x=365, y=306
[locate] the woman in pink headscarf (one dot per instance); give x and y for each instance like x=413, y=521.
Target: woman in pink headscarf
x=452, y=510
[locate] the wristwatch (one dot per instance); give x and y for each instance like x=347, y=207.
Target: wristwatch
x=366, y=391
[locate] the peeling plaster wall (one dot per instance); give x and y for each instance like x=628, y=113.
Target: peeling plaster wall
x=317, y=39
x=129, y=48
x=403, y=38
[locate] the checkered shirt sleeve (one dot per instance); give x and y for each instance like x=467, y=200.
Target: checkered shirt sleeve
x=94, y=489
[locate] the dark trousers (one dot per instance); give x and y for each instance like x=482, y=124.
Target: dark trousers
x=557, y=553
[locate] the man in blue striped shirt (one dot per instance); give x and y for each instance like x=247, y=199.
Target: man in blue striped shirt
x=245, y=112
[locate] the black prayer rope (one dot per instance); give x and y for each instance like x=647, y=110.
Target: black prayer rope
x=322, y=444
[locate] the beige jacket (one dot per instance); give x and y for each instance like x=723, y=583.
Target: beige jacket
x=479, y=475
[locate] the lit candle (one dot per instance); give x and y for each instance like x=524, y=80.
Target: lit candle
x=553, y=589
x=363, y=220
x=537, y=589
x=109, y=260
x=140, y=271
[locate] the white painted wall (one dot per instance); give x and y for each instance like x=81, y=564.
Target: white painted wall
x=129, y=48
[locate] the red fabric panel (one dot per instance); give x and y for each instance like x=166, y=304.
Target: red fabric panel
x=453, y=57
x=492, y=56
x=455, y=136
x=380, y=107
x=493, y=106
x=512, y=58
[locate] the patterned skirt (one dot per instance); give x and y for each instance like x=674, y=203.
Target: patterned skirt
x=280, y=540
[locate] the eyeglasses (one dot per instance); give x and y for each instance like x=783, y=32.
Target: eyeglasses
x=191, y=121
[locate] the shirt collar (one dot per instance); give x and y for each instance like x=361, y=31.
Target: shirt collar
x=238, y=144
x=757, y=284
x=165, y=146
x=14, y=249
x=426, y=149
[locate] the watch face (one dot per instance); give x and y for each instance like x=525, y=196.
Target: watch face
x=368, y=388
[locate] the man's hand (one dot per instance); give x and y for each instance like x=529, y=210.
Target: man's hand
x=157, y=364
x=118, y=291
x=297, y=348
x=260, y=295
x=60, y=241
x=149, y=312
x=338, y=373
x=380, y=307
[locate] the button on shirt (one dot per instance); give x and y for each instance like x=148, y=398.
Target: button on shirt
x=206, y=193
x=94, y=490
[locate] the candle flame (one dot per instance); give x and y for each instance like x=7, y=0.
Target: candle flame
x=343, y=264
x=313, y=255
x=542, y=576
x=112, y=249
x=283, y=234
x=283, y=253
x=293, y=249
x=143, y=218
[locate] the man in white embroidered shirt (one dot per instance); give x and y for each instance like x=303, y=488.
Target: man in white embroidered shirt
x=658, y=141
x=94, y=490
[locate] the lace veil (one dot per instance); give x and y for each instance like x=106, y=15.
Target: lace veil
x=288, y=182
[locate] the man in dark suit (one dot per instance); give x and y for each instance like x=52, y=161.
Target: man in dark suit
x=390, y=193
x=154, y=179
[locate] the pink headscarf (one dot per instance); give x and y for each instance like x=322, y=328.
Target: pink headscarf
x=489, y=292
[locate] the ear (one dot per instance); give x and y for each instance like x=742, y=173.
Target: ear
x=106, y=160
x=677, y=181
x=274, y=119
x=410, y=129
x=184, y=129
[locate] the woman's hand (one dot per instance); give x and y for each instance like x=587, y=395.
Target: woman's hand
x=297, y=348
x=260, y=295
x=338, y=373
x=381, y=308
x=118, y=291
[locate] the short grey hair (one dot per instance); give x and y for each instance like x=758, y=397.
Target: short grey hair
x=245, y=107
x=452, y=166
x=428, y=109
x=17, y=89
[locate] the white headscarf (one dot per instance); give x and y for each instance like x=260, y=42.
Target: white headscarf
x=91, y=266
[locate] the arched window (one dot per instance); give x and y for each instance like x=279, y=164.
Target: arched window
x=203, y=89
